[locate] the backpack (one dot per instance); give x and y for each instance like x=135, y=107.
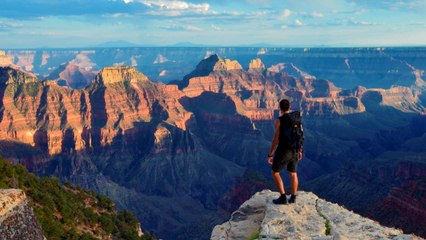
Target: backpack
x=294, y=134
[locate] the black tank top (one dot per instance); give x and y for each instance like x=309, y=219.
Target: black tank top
x=285, y=131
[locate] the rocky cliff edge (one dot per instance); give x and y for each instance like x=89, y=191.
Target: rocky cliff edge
x=17, y=219
x=309, y=218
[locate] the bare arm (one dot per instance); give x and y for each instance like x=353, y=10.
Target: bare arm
x=274, y=140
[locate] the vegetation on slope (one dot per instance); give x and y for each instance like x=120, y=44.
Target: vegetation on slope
x=66, y=212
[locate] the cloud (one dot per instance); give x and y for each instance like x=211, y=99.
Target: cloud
x=29, y=9
x=34, y=33
x=298, y=23
x=363, y=23
x=418, y=24
x=394, y=5
x=285, y=13
x=187, y=28
x=317, y=14
x=176, y=6
x=351, y=22
x=261, y=2
x=356, y=12
x=8, y=26
x=216, y=28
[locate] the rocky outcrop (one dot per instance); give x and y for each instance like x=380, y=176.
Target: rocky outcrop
x=398, y=97
x=160, y=59
x=57, y=119
x=71, y=75
x=256, y=95
x=213, y=65
x=289, y=69
x=309, y=218
x=118, y=74
x=5, y=60
x=17, y=219
x=256, y=65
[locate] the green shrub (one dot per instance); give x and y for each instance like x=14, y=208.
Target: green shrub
x=60, y=209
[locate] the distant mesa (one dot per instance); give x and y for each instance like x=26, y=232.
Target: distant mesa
x=4, y=59
x=215, y=63
x=290, y=69
x=356, y=92
x=162, y=73
x=210, y=65
x=160, y=59
x=117, y=74
x=324, y=88
x=256, y=65
x=261, y=51
x=70, y=74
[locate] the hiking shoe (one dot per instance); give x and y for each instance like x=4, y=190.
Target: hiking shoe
x=292, y=199
x=281, y=200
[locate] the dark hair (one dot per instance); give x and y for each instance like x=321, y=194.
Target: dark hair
x=284, y=105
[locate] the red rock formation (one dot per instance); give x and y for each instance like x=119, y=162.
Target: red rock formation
x=181, y=137
x=5, y=60
x=71, y=75
x=56, y=119
x=402, y=205
x=256, y=65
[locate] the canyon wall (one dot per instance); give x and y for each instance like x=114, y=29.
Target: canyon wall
x=159, y=148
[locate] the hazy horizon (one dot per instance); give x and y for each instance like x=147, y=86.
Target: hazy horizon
x=197, y=45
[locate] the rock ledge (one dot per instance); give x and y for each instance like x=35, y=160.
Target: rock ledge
x=309, y=218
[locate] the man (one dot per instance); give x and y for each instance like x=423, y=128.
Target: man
x=286, y=150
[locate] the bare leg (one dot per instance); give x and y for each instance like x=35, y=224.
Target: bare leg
x=294, y=182
x=278, y=182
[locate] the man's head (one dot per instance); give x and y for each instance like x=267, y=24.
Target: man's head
x=284, y=105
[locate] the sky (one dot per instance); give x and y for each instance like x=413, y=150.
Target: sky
x=284, y=23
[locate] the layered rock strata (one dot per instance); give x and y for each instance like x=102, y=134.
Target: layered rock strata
x=143, y=142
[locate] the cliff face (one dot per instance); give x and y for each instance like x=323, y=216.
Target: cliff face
x=58, y=119
x=5, y=60
x=144, y=143
x=256, y=94
x=309, y=218
x=17, y=219
x=394, y=181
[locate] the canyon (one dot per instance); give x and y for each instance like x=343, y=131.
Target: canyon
x=193, y=150
x=345, y=67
